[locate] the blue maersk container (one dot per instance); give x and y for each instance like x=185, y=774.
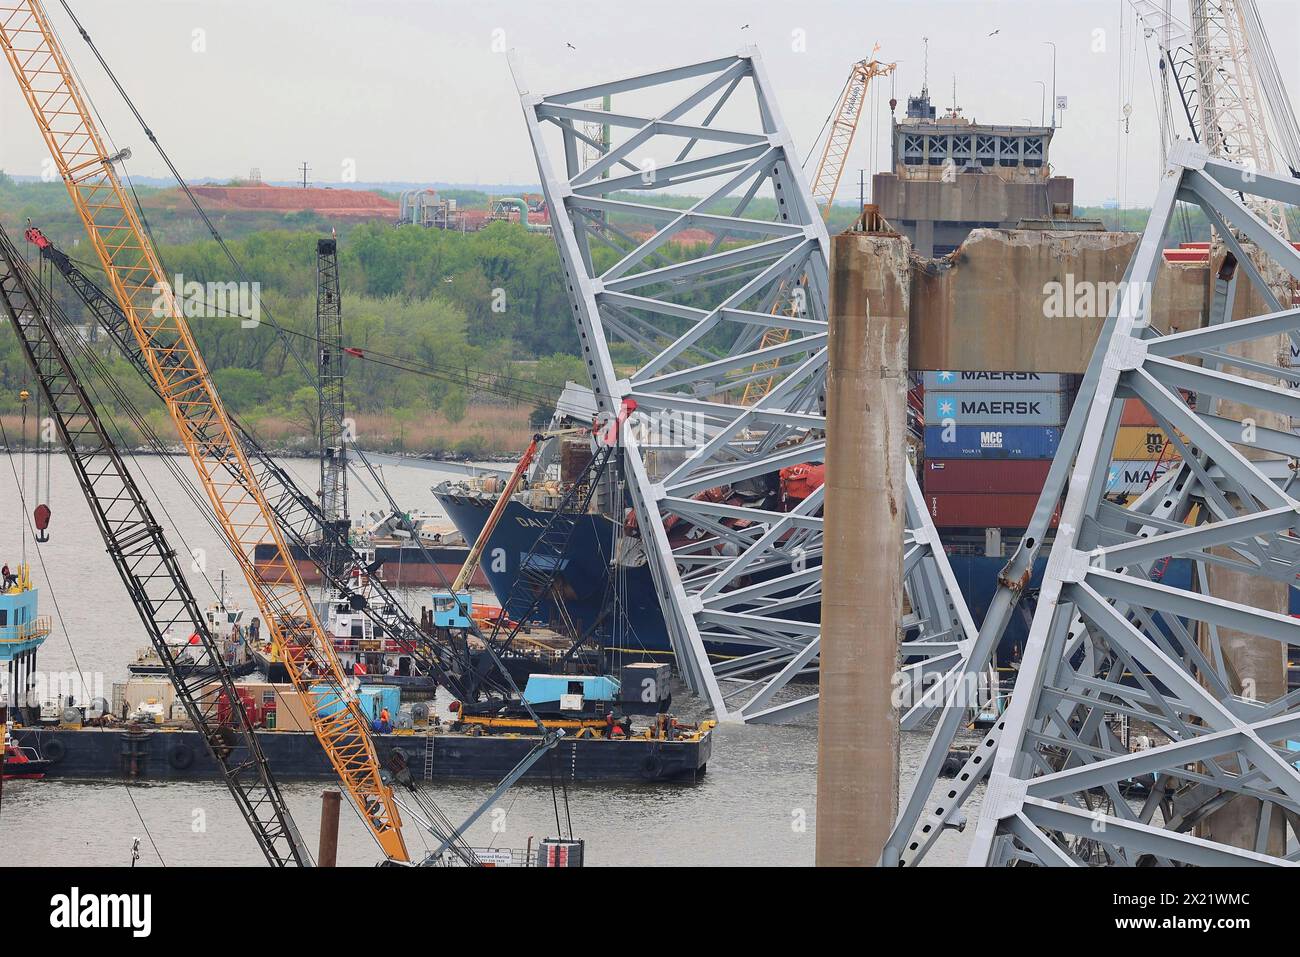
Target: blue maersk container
x=991, y=442
x=996, y=408
x=997, y=381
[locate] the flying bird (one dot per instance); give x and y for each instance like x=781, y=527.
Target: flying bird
x=569, y=45
x=996, y=32
x=745, y=27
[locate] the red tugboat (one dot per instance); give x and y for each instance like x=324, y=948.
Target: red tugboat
x=22, y=764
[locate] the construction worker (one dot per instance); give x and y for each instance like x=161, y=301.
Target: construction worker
x=10, y=579
x=384, y=724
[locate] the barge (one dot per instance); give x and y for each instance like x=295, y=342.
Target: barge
x=151, y=753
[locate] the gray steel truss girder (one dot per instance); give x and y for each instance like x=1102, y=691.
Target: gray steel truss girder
x=734, y=564
x=1058, y=789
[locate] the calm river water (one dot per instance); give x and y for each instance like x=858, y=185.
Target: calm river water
x=756, y=804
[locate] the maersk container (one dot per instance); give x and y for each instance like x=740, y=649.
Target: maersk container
x=981, y=442
x=982, y=510
x=1134, y=476
x=997, y=381
x=995, y=408
x=1010, y=476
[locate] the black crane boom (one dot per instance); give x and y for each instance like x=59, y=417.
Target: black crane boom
x=147, y=563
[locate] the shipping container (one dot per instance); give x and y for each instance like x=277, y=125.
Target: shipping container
x=1141, y=442
x=1010, y=476
x=982, y=510
x=1134, y=476
x=976, y=442
x=996, y=408
x=1136, y=413
x=997, y=381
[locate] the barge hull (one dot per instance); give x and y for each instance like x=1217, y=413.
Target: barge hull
x=174, y=755
x=403, y=567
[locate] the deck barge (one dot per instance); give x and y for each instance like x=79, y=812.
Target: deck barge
x=151, y=753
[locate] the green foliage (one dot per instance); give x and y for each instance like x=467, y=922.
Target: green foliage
x=453, y=405
x=429, y=308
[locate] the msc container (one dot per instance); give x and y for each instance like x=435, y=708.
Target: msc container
x=983, y=442
x=1141, y=442
x=997, y=381
x=982, y=510
x=1004, y=476
x=1134, y=476
x=996, y=408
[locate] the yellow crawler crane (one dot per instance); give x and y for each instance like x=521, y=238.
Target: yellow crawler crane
x=147, y=299
x=843, y=127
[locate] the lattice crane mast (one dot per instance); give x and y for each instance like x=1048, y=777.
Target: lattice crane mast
x=146, y=562
x=298, y=512
x=331, y=427
x=1228, y=82
x=1230, y=101
x=141, y=287
x=843, y=128
x=826, y=180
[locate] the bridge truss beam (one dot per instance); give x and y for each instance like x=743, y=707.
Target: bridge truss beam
x=690, y=321
x=1111, y=645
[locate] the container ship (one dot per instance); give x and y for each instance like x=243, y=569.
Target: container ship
x=982, y=466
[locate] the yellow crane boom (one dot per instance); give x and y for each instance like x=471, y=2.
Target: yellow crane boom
x=844, y=126
x=826, y=180
x=147, y=299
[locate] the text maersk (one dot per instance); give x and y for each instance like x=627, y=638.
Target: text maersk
x=1021, y=407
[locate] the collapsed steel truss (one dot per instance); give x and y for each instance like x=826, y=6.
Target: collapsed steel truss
x=693, y=321
x=1114, y=647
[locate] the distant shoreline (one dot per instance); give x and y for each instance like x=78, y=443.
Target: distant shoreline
x=177, y=452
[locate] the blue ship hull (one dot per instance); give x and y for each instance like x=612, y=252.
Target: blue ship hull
x=583, y=572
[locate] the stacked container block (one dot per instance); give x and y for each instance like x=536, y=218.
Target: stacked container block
x=989, y=442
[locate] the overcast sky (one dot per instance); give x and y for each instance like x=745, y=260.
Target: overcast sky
x=412, y=90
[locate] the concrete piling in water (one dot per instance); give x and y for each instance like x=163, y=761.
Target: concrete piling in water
x=862, y=572
x=328, y=852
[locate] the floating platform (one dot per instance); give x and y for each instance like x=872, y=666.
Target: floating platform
x=405, y=566
x=164, y=754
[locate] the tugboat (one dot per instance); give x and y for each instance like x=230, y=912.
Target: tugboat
x=22, y=632
x=233, y=636
x=368, y=648
x=366, y=642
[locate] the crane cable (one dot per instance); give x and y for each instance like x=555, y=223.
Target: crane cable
x=89, y=361
x=527, y=390
x=266, y=315
x=63, y=624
